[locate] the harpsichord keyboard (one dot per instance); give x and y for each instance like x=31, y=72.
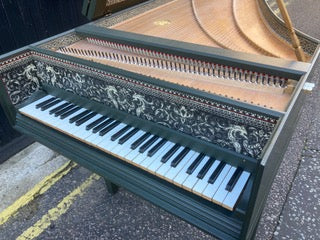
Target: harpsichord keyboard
x=210, y=178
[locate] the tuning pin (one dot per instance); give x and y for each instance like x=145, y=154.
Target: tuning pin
x=215, y=70
x=209, y=69
x=111, y=56
x=261, y=79
x=250, y=77
x=231, y=73
x=138, y=60
x=226, y=72
x=223, y=71
x=245, y=76
x=254, y=78
x=218, y=71
x=283, y=82
x=190, y=66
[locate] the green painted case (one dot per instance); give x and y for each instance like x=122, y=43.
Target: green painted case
x=224, y=224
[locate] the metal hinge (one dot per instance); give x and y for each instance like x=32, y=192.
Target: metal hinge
x=308, y=87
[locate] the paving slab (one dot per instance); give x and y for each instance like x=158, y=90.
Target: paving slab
x=24, y=170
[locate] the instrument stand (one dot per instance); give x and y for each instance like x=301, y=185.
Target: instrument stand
x=111, y=187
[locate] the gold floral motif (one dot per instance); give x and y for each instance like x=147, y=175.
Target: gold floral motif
x=162, y=22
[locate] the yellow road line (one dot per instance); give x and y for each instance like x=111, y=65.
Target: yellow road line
x=37, y=190
x=54, y=213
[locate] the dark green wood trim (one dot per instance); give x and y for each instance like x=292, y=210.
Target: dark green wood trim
x=85, y=7
x=267, y=172
x=252, y=215
x=215, y=220
x=111, y=187
x=49, y=39
x=264, y=64
x=122, y=5
x=14, y=146
x=94, y=9
x=7, y=106
x=13, y=53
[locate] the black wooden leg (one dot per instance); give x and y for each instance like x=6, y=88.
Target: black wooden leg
x=112, y=188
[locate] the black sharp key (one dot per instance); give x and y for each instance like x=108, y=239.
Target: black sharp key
x=108, y=128
x=128, y=136
x=78, y=116
x=205, y=168
x=49, y=105
x=120, y=133
x=216, y=172
x=234, y=179
x=146, y=145
x=180, y=156
x=68, y=113
x=195, y=163
x=39, y=105
x=153, y=150
x=96, y=122
x=102, y=125
x=166, y=157
x=85, y=118
x=62, y=111
x=62, y=106
x=140, y=140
